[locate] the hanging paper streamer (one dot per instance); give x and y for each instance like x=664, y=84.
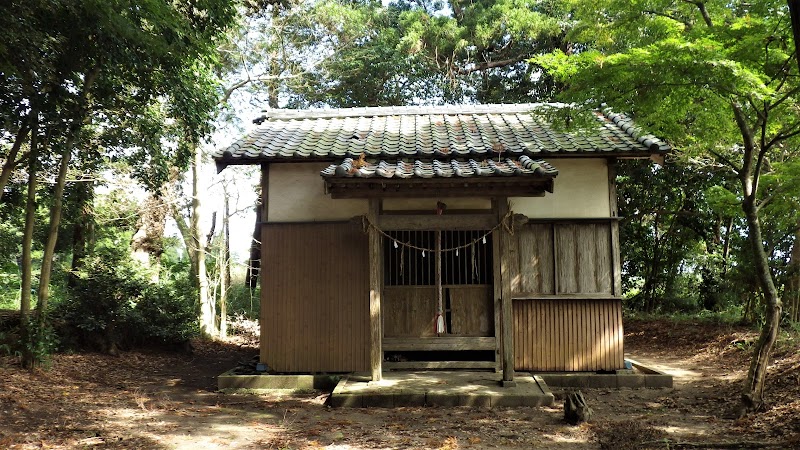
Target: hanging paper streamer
x=456, y=252
x=402, y=262
x=484, y=239
x=395, y=244
x=474, y=263
x=423, y=253
x=439, y=324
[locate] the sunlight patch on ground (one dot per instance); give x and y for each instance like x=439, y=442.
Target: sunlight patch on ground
x=561, y=438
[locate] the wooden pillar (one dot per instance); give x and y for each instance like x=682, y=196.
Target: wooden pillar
x=616, y=264
x=375, y=289
x=263, y=217
x=505, y=295
x=497, y=282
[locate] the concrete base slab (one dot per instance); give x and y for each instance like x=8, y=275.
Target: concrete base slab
x=643, y=377
x=441, y=388
x=230, y=381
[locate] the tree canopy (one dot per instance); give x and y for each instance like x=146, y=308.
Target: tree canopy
x=719, y=81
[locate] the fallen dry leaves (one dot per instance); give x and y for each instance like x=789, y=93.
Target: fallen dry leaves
x=152, y=400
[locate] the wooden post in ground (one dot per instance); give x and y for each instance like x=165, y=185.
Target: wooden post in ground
x=375, y=288
x=505, y=294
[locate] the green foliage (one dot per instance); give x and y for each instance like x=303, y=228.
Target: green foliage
x=164, y=315
x=41, y=341
x=369, y=53
x=242, y=300
x=113, y=304
x=718, y=80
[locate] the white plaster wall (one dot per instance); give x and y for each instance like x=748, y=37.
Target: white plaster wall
x=297, y=194
x=581, y=190
x=429, y=204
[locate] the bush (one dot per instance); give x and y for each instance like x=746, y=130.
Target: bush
x=112, y=304
x=164, y=315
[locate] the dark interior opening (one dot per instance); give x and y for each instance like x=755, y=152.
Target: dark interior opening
x=409, y=259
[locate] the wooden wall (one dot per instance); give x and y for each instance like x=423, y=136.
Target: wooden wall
x=567, y=315
x=314, y=298
x=562, y=258
x=410, y=311
x=567, y=335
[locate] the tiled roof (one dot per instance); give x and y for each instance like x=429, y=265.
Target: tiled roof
x=440, y=132
x=522, y=166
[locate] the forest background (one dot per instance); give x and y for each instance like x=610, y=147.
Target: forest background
x=109, y=109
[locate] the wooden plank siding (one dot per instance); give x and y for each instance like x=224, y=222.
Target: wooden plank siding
x=471, y=309
x=556, y=335
x=562, y=258
x=409, y=311
x=567, y=315
x=315, y=298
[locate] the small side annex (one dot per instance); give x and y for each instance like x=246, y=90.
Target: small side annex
x=448, y=237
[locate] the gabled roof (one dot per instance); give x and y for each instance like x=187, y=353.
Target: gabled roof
x=433, y=133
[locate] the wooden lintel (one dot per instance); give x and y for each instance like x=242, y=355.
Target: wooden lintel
x=442, y=343
x=375, y=288
x=540, y=296
x=563, y=220
x=434, y=222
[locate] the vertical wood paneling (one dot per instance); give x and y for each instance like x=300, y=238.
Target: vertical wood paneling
x=314, y=298
x=472, y=310
x=583, y=258
x=410, y=311
x=568, y=335
x=534, y=264
x=567, y=258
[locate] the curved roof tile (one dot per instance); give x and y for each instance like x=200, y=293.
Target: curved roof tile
x=434, y=133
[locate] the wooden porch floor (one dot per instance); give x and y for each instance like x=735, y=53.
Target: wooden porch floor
x=440, y=388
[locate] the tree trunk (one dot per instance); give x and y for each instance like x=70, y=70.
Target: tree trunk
x=52, y=234
x=147, y=244
x=753, y=392
x=225, y=272
x=791, y=291
x=83, y=229
x=207, y=307
x=26, y=263
x=254, y=265
x=11, y=159
x=58, y=198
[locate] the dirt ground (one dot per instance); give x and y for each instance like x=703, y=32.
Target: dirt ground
x=158, y=400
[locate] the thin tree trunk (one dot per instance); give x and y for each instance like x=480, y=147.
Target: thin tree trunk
x=749, y=175
x=254, y=265
x=83, y=230
x=58, y=198
x=26, y=264
x=726, y=248
x=225, y=272
x=11, y=159
x=792, y=288
x=52, y=234
x=753, y=392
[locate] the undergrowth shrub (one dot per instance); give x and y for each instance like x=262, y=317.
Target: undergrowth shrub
x=112, y=304
x=164, y=315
